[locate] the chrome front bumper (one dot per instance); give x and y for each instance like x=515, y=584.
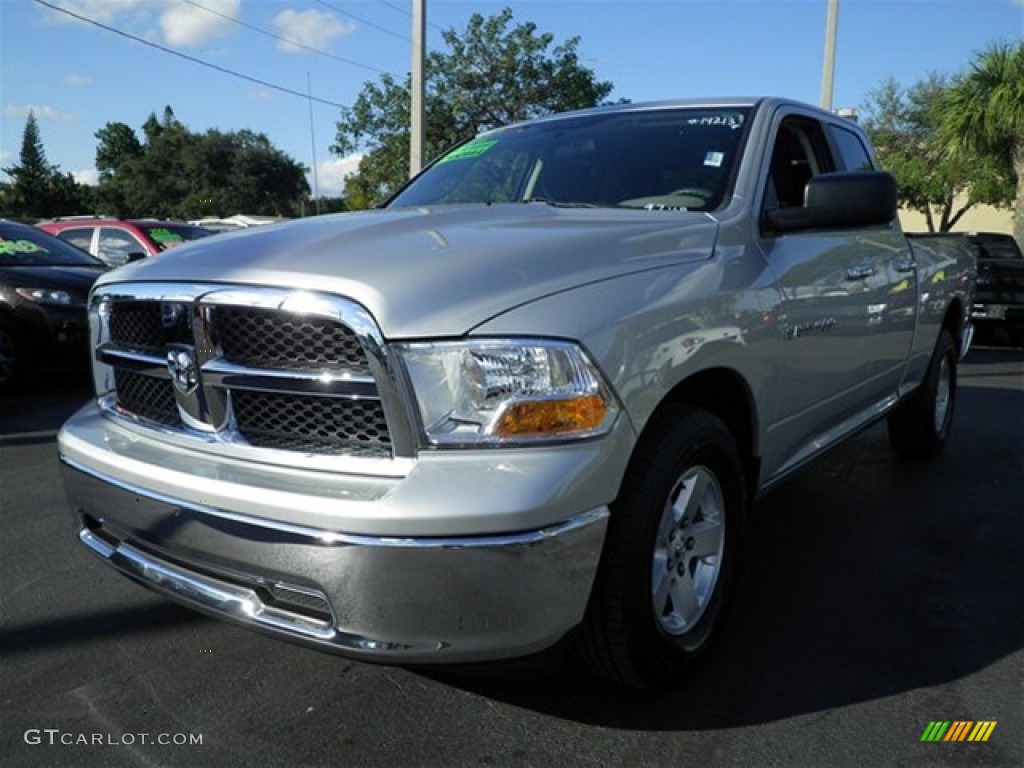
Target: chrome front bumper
x=398, y=600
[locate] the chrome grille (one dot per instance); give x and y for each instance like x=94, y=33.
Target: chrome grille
x=262, y=338
x=147, y=397
x=148, y=325
x=310, y=423
x=252, y=376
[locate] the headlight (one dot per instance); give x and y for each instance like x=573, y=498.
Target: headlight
x=506, y=391
x=46, y=296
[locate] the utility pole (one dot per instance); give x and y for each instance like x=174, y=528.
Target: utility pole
x=312, y=141
x=416, y=132
x=829, y=69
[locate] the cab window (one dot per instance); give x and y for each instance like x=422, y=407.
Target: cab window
x=798, y=154
x=853, y=155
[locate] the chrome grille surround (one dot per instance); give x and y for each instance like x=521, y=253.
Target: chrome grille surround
x=284, y=376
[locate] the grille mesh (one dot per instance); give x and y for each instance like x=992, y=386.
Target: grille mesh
x=261, y=338
x=148, y=326
x=147, y=397
x=310, y=423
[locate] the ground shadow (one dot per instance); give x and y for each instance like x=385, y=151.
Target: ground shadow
x=866, y=576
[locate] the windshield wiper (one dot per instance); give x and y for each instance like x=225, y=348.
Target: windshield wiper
x=561, y=203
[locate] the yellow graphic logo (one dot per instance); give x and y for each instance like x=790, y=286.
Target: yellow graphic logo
x=958, y=730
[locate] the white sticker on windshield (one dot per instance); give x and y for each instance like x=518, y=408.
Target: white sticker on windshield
x=714, y=159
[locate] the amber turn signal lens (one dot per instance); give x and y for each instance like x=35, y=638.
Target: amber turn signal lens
x=552, y=417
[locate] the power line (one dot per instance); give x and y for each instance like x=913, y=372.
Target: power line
x=296, y=43
x=404, y=12
x=194, y=60
x=364, y=21
x=394, y=7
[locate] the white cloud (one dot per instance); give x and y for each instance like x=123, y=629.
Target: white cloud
x=188, y=25
x=41, y=111
x=261, y=94
x=88, y=176
x=104, y=11
x=181, y=24
x=5, y=157
x=313, y=28
x=331, y=174
x=75, y=80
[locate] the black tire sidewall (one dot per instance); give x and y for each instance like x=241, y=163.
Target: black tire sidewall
x=912, y=425
x=944, y=349
x=700, y=439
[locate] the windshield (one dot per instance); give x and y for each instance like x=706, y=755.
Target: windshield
x=25, y=246
x=671, y=159
x=166, y=236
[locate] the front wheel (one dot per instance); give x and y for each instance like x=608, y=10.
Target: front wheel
x=670, y=554
x=920, y=426
x=13, y=363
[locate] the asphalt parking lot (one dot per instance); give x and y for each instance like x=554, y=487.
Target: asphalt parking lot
x=880, y=595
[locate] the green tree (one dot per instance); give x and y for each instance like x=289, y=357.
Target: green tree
x=905, y=126
x=177, y=173
x=118, y=146
x=118, y=151
x=39, y=189
x=490, y=75
x=984, y=112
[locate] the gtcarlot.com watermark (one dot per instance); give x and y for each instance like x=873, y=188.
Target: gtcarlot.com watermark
x=55, y=737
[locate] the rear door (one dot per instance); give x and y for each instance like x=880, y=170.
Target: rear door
x=845, y=302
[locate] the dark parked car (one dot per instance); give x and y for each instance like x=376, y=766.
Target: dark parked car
x=999, y=301
x=44, y=284
x=118, y=241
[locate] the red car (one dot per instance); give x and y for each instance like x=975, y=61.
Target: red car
x=118, y=241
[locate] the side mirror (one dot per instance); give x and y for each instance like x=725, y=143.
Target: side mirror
x=135, y=256
x=838, y=201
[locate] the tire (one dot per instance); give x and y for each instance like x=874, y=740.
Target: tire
x=13, y=363
x=670, y=554
x=1017, y=337
x=920, y=426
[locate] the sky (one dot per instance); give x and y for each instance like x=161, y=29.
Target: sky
x=76, y=76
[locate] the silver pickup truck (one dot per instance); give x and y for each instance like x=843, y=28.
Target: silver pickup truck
x=530, y=400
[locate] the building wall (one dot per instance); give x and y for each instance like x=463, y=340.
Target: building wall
x=981, y=218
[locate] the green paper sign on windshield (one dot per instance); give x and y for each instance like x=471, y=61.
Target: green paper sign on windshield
x=165, y=236
x=466, y=151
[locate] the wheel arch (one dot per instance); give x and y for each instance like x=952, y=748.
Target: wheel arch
x=726, y=394
x=954, y=320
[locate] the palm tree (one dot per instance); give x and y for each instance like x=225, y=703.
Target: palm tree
x=984, y=112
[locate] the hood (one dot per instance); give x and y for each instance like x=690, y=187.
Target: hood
x=439, y=271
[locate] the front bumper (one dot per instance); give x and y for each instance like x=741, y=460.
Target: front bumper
x=405, y=599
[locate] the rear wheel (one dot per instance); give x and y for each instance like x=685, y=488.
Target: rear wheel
x=670, y=554
x=920, y=426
